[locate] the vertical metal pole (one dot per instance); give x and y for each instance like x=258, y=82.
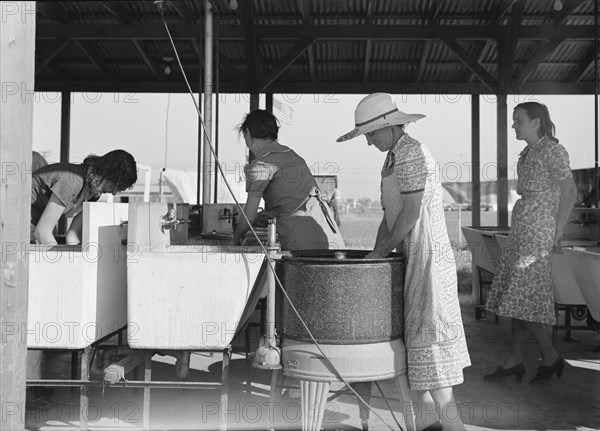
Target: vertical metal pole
x=596, y=96
x=208, y=98
x=65, y=142
x=217, y=110
x=65, y=126
x=273, y=248
x=475, y=162
x=502, y=161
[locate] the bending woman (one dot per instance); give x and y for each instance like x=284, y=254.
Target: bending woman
x=62, y=188
x=282, y=178
x=413, y=222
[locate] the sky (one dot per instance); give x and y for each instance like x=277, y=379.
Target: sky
x=161, y=130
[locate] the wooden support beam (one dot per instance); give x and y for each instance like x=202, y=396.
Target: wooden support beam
x=182, y=10
x=423, y=61
x=50, y=52
x=290, y=57
x=152, y=65
x=501, y=9
x=323, y=87
x=584, y=66
x=368, y=43
x=246, y=9
x=507, y=45
x=541, y=52
x=480, y=51
x=118, y=10
x=92, y=54
x=53, y=11
x=17, y=68
x=341, y=32
x=468, y=61
x=367, y=62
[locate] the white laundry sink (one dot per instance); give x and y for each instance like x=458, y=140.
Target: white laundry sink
x=185, y=297
x=78, y=294
x=585, y=266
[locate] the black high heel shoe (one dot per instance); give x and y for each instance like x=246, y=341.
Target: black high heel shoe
x=502, y=373
x=545, y=372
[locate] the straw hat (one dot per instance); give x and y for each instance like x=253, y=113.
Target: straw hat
x=376, y=111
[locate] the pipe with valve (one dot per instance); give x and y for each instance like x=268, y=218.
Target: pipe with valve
x=268, y=355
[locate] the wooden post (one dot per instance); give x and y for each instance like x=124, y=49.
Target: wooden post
x=17, y=50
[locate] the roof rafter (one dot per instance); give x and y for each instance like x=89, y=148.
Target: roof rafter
x=423, y=60
x=50, y=52
x=290, y=57
x=91, y=53
x=341, y=32
x=585, y=65
x=368, y=43
x=540, y=54
x=304, y=8
x=507, y=46
x=247, y=17
x=329, y=87
x=151, y=64
x=464, y=56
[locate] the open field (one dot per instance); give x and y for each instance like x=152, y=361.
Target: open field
x=360, y=229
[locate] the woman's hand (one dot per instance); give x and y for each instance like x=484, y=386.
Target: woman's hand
x=556, y=247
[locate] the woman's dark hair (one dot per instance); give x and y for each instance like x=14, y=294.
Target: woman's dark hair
x=261, y=124
x=538, y=110
x=118, y=167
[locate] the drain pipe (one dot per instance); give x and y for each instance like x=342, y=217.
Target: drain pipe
x=115, y=372
x=182, y=367
x=268, y=355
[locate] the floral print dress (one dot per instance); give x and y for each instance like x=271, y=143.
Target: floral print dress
x=522, y=287
x=433, y=333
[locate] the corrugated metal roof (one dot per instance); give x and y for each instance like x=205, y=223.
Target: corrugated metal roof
x=357, y=45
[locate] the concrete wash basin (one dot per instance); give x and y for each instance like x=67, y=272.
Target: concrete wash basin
x=186, y=297
x=78, y=294
x=585, y=266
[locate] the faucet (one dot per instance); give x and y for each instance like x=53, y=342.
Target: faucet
x=170, y=220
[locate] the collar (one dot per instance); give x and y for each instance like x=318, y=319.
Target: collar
x=273, y=147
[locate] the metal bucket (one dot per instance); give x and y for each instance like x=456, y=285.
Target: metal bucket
x=354, y=309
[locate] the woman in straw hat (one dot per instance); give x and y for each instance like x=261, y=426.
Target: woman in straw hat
x=413, y=222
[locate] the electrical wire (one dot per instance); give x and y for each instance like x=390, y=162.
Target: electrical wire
x=160, y=8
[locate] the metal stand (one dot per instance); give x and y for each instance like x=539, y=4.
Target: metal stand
x=578, y=312
x=148, y=384
x=84, y=374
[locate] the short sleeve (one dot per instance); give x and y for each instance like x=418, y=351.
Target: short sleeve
x=411, y=169
x=67, y=188
x=258, y=175
x=558, y=163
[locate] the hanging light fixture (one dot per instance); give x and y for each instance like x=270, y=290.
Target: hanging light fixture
x=233, y=4
x=558, y=5
x=168, y=68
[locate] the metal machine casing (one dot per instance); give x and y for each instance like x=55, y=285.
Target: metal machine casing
x=219, y=218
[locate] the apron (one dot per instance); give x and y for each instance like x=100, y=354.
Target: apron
x=311, y=226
